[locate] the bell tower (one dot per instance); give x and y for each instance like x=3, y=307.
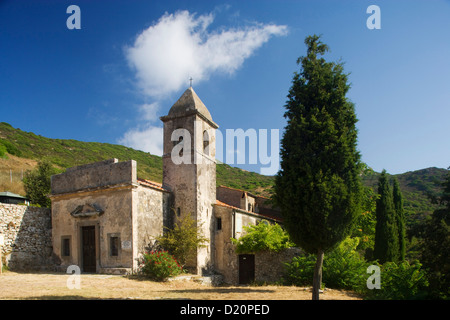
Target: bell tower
x=189, y=168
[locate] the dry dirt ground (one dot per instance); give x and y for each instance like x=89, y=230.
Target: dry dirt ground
x=54, y=286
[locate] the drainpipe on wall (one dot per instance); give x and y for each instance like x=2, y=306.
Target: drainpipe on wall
x=233, y=223
x=99, y=246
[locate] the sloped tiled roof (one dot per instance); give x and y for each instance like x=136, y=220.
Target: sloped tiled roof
x=247, y=192
x=223, y=204
x=11, y=195
x=152, y=184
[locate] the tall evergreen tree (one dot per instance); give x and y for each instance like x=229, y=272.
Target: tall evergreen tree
x=400, y=219
x=386, y=235
x=37, y=183
x=318, y=187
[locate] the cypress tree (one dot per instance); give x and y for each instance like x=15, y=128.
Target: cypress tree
x=37, y=183
x=318, y=187
x=400, y=219
x=386, y=235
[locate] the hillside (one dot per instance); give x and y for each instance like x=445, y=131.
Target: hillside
x=21, y=145
x=26, y=148
x=417, y=187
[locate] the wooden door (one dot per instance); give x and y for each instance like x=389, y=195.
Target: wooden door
x=88, y=248
x=246, y=268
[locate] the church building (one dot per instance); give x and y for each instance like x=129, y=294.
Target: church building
x=104, y=217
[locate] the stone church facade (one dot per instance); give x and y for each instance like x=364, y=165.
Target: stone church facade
x=104, y=217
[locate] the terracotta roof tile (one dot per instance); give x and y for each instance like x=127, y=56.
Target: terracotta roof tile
x=152, y=184
x=247, y=192
x=223, y=204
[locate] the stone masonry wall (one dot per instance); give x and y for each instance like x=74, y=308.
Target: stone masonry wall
x=269, y=266
x=28, y=237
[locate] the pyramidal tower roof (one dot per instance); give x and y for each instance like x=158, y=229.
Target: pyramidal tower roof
x=189, y=103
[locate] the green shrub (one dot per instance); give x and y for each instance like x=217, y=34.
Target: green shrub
x=300, y=270
x=400, y=282
x=183, y=240
x=159, y=265
x=10, y=148
x=2, y=151
x=262, y=237
x=343, y=268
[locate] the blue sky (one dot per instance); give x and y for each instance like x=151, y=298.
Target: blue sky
x=99, y=83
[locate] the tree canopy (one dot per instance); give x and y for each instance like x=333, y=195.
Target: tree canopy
x=37, y=183
x=318, y=187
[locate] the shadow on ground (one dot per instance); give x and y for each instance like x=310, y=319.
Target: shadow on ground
x=222, y=290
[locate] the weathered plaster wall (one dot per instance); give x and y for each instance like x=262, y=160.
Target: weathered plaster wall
x=116, y=220
x=269, y=266
x=193, y=181
x=233, y=223
x=225, y=258
x=152, y=213
x=106, y=185
x=99, y=174
x=180, y=178
x=206, y=191
x=229, y=195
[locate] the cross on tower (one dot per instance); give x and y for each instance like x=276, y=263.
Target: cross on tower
x=190, y=81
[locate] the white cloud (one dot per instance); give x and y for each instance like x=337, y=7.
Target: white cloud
x=149, y=111
x=178, y=46
x=148, y=139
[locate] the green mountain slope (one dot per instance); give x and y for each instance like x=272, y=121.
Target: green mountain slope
x=415, y=185
x=417, y=188
x=69, y=153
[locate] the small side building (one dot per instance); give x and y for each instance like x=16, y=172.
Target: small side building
x=12, y=198
x=234, y=210
x=103, y=217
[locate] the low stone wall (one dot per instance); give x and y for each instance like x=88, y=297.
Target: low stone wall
x=28, y=237
x=269, y=266
x=28, y=245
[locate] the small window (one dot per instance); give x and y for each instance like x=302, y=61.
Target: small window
x=219, y=224
x=114, y=246
x=176, y=142
x=65, y=246
x=175, y=136
x=206, y=142
x=178, y=212
x=180, y=140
